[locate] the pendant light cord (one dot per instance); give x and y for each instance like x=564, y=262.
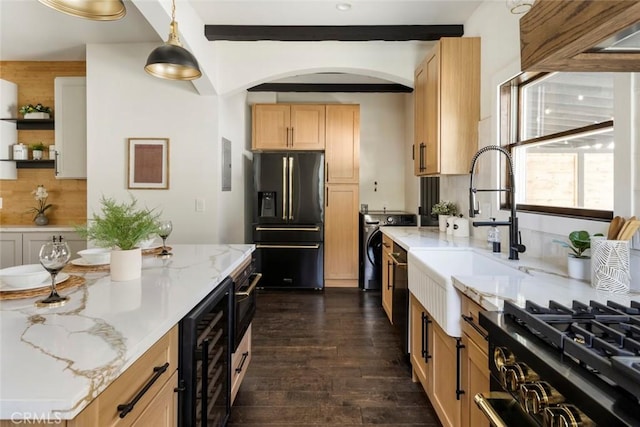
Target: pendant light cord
x=173, y=33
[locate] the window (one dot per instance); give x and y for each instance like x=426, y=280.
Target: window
x=559, y=130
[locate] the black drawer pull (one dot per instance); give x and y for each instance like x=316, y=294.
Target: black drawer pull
x=125, y=408
x=244, y=359
x=470, y=321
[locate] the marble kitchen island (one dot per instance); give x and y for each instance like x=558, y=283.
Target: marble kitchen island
x=54, y=362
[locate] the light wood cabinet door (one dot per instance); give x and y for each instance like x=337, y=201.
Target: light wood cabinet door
x=421, y=337
x=342, y=154
x=475, y=379
x=288, y=127
x=341, y=235
x=240, y=361
x=387, y=276
x=162, y=411
x=444, y=374
x=307, y=127
x=33, y=241
x=10, y=249
x=271, y=123
x=447, y=107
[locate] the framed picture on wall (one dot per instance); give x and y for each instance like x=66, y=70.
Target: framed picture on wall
x=148, y=163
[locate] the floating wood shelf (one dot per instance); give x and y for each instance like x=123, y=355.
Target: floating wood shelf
x=32, y=164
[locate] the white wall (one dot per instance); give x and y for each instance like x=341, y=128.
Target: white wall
x=123, y=101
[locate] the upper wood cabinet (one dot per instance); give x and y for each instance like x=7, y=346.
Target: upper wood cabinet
x=447, y=107
x=568, y=35
x=288, y=127
x=342, y=154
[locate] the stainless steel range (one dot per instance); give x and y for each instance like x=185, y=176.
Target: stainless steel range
x=563, y=366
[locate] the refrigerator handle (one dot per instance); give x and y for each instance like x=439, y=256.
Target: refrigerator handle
x=290, y=188
x=284, y=188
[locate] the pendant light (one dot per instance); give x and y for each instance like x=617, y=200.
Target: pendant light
x=97, y=10
x=171, y=60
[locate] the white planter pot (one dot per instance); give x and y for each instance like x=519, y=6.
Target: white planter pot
x=36, y=116
x=579, y=268
x=442, y=222
x=37, y=154
x=126, y=265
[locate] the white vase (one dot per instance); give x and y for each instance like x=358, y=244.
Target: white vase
x=126, y=265
x=442, y=222
x=37, y=115
x=579, y=268
x=37, y=154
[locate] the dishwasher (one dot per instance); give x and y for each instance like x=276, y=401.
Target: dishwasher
x=400, y=311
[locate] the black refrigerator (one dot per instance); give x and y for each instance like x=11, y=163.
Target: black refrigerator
x=288, y=219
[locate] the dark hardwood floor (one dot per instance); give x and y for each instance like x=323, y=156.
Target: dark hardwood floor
x=327, y=358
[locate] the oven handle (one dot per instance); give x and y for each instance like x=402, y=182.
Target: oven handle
x=488, y=411
x=251, y=288
x=469, y=320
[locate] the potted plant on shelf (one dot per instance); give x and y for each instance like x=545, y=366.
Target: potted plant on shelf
x=37, y=111
x=120, y=227
x=37, y=150
x=444, y=209
x=578, y=263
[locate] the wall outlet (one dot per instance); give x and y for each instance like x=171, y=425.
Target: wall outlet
x=199, y=204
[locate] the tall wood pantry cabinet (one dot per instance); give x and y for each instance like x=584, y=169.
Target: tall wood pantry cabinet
x=447, y=107
x=342, y=172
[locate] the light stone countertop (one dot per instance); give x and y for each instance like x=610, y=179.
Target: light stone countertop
x=53, y=362
x=35, y=228
x=541, y=283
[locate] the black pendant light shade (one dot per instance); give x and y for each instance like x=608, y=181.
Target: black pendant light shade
x=171, y=60
x=97, y=10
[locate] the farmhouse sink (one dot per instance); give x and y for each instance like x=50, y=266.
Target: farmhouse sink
x=430, y=280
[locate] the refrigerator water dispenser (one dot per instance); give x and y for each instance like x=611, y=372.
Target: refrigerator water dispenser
x=267, y=203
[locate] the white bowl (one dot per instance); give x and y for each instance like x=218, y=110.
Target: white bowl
x=96, y=255
x=146, y=243
x=23, y=275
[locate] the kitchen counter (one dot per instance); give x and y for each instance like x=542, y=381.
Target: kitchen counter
x=36, y=228
x=540, y=282
x=53, y=362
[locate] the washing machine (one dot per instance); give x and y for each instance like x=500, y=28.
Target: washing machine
x=370, y=277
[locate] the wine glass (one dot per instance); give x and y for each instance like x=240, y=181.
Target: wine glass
x=164, y=230
x=53, y=257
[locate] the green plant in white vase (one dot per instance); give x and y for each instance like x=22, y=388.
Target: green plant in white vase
x=120, y=226
x=578, y=262
x=444, y=209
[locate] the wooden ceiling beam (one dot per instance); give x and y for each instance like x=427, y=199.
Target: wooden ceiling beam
x=332, y=87
x=306, y=33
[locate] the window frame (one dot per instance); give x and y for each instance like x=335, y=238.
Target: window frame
x=509, y=128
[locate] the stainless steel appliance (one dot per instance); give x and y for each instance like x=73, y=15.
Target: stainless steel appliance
x=370, y=276
x=204, y=360
x=288, y=219
x=563, y=366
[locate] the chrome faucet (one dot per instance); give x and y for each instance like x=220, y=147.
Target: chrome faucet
x=515, y=239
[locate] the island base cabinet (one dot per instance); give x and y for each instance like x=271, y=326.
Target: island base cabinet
x=435, y=363
x=240, y=361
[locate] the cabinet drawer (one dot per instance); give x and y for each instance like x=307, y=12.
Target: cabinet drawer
x=470, y=309
x=240, y=361
x=124, y=389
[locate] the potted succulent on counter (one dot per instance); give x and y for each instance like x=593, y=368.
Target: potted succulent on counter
x=120, y=226
x=578, y=263
x=444, y=209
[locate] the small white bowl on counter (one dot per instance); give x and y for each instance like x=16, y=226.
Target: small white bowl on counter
x=22, y=276
x=96, y=256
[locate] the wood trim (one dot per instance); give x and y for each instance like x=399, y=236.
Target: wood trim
x=556, y=35
x=331, y=87
x=302, y=33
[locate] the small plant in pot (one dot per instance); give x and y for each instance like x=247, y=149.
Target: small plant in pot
x=120, y=226
x=37, y=150
x=37, y=111
x=578, y=262
x=444, y=209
